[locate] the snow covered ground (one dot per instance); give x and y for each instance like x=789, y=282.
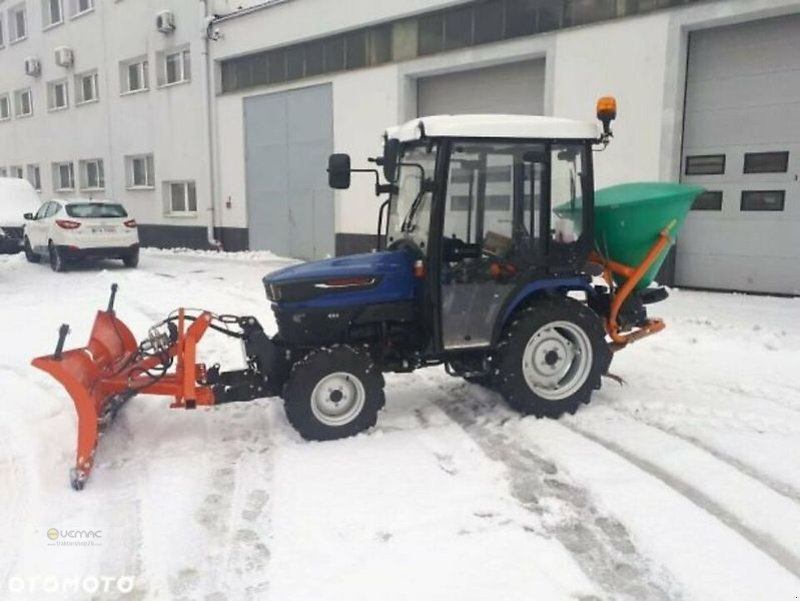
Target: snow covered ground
x=682, y=484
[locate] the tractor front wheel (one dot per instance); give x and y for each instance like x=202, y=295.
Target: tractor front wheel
x=552, y=357
x=333, y=393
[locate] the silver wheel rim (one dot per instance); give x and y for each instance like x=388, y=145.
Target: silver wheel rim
x=338, y=398
x=557, y=360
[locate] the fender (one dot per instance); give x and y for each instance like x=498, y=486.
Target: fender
x=562, y=285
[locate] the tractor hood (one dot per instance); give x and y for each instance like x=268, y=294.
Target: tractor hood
x=378, y=277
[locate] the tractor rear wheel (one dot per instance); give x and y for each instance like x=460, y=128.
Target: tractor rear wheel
x=333, y=393
x=552, y=357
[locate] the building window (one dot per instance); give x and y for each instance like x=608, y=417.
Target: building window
x=2, y=39
x=17, y=23
x=16, y=171
x=139, y=171
x=707, y=164
x=762, y=200
x=57, y=97
x=176, y=67
x=86, y=88
x=766, y=162
x=52, y=13
x=134, y=76
x=35, y=177
x=182, y=197
x=80, y=7
x=3, y=172
x=23, y=103
x=5, y=108
x=92, y=176
x=708, y=201
x=64, y=176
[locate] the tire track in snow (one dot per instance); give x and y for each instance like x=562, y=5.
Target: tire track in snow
x=782, y=488
x=765, y=543
x=599, y=543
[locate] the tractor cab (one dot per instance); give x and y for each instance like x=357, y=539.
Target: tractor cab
x=489, y=209
x=490, y=205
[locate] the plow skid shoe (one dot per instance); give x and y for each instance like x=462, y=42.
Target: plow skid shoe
x=90, y=375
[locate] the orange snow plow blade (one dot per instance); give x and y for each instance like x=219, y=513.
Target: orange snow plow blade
x=112, y=368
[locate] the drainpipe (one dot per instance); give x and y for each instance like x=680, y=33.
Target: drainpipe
x=208, y=103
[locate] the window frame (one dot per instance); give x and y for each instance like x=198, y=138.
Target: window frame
x=186, y=211
x=745, y=193
x=686, y=166
x=85, y=184
x=9, y=111
x=79, y=89
x=51, y=86
x=783, y=153
x=143, y=68
x=35, y=181
x=47, y=14
x=184, y=62
x=18, y=94
x=716, y=195
x=130, y=173
x=13, y=11
x=75, y=11
x=57, y=176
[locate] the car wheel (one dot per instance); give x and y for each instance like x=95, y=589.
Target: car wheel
x=57, y=261
x=131, y=260
x=333, y=393
x=30, y=256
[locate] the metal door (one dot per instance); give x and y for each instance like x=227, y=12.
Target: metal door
x=288, y=137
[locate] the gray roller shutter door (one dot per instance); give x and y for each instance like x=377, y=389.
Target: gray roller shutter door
x=288, y=138
x=515, y=88
x=743, y=96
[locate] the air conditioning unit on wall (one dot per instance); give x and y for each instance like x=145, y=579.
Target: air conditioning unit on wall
x=33, y=66
x=64, y=56
x=165, y=21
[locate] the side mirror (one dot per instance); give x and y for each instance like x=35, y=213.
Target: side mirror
x=28, y=217
x=391, y=151
x=339, y=171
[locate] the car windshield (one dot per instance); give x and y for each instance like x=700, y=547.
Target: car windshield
x=409, y=215
x=95, y=210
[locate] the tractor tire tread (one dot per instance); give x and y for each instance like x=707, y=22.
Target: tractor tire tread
x=304, y=376
x=510, y=382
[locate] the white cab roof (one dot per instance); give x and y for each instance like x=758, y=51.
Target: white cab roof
x=495, y=126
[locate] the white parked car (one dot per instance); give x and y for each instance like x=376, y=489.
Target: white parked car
x=64, y=231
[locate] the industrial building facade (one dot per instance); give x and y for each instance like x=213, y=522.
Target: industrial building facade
x=709, y=93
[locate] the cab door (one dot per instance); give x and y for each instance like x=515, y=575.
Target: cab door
x=490, y=235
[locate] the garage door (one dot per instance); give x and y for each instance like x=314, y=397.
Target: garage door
x=742, y=143
x=516, y=88
x=288, y=137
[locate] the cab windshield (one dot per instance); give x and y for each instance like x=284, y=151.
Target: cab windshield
x=410, y=207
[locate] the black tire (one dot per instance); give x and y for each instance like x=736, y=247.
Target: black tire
x=131, y=260
x=57, y=261
x=328, y=370
x=533, y=345
x=30, y=256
